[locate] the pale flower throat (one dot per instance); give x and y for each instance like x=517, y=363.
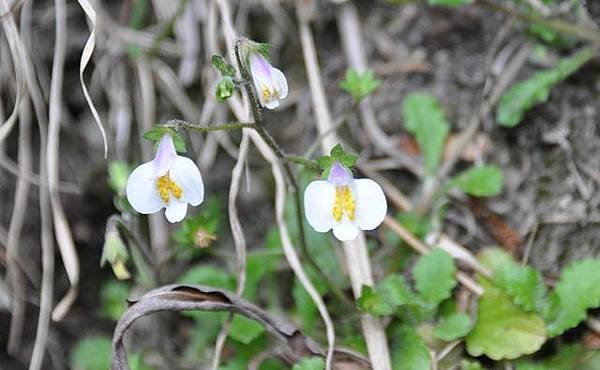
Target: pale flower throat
x=344, y=203
x=166, y=186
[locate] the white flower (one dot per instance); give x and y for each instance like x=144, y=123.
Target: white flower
x=269, y=82
x=344, y=204
x=168, y=181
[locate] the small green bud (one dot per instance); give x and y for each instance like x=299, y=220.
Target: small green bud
x=225, y=88
x=114, y=251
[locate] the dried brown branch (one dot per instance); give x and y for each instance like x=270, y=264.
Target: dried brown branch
x=194, y=297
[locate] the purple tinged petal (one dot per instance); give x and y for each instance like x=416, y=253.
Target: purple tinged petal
x=165, y=156
x=339, y=175
x=260, y=68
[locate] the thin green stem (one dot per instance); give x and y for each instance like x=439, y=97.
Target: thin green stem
x=198, y=128
x=309, y=163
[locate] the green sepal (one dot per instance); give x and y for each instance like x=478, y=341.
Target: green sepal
x=337, y=154
x=156, y=133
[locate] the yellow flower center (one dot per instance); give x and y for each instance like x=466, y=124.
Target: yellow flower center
x=267, y=93
x=344, y=203
x=166, y=186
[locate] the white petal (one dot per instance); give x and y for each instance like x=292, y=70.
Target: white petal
x=176, y=211
x=272, y=104
x=371, y=206
x=142, y=191
x=319, y=198
x=345, y=231
x=186, y=174
x=258, y=89
x=165, y=156
x=280, y=83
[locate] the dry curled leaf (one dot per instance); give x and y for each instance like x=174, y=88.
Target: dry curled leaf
x=499, y=229
x=183, y=297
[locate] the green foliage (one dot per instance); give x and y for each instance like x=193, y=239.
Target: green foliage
x=577, y=291
x=245, y=330
x=449, y=2
x=113, y=296
x=92, y=353
x=359, y=84
x=409, y=351
x=156, y=133
x=208, y=275
x=453, y=327
x=222, y=66
x=386, y=297
x=470, y=365
x=482, y=181
x=573, y=356
x=313, y=363
x=337, y=154
x=199, y=231
x=523, y=283
x=503, y=330
x=434, y=276
x=535, y=90
x=424, y=118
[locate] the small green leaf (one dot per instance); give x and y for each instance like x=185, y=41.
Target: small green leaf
x=452, y=3
x=222, y=66
x=482, y=181
x=535, y=90
x=424, y=118
x=386, y=297
x=337, y=151
x=313, y=363
x=503, y=330
x=470, y=365
x=523, y=283
x=434, y=276
x=225, y=89
x=455, y=326
x=359, y=85
x=577, y=291
x=92, y=353
x=245, y=330
x=409, y=351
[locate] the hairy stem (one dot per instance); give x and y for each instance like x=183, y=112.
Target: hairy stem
x=198, y=128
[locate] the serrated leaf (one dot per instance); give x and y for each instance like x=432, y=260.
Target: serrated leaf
x=245, y=330
x=454, y=326
x=313, y=363
x=386, y=297
x=503, y=330
x=222, y=66
x=434, y=276
x=482, y=181
x=524, y=284
x=409, y=351
x=577, y=291
x=425, y=120
x=524, y=95
x=359, y=85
